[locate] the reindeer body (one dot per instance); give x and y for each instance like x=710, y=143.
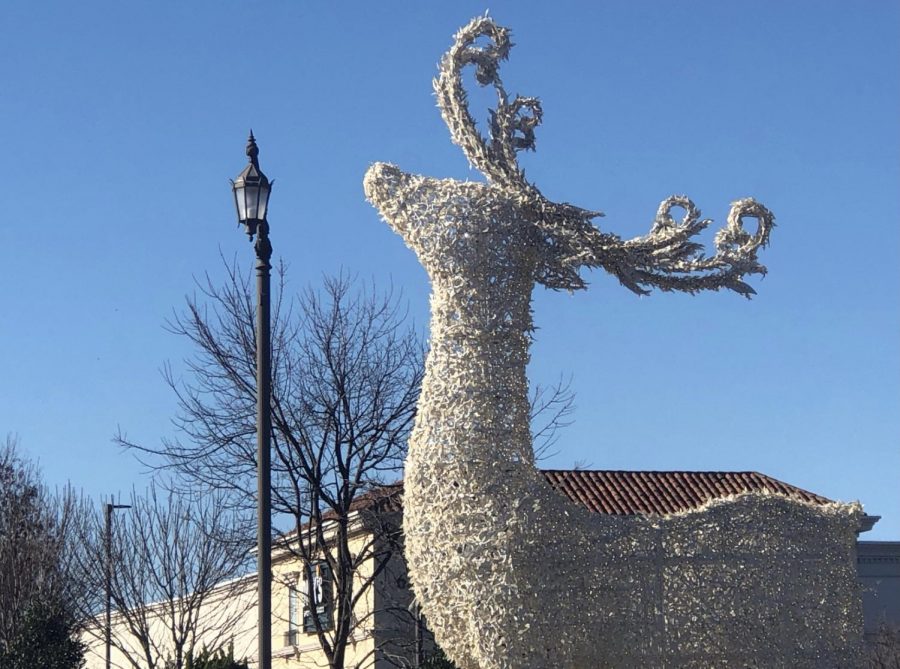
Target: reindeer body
x=510, y=574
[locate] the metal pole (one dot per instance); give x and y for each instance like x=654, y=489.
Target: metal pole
x=263, y=435
x=110, y=507
x=108, y=540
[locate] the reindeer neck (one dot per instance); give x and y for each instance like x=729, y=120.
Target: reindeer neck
x=474, y=403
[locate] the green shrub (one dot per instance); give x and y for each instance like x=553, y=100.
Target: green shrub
x=438, y=660
x=46, y=639
x=218, y=660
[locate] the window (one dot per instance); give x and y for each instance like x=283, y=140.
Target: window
x=295, y=607
x=293, y=611
x=317, y=596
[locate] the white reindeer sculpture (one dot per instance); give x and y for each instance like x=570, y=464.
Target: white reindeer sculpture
x=510, y=574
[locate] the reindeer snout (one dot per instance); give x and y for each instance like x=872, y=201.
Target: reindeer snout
x=385, y=186
x=382, y=184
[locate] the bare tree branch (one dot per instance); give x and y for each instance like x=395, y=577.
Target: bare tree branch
x=551, y=408
x=883, y=648
x=346, y=373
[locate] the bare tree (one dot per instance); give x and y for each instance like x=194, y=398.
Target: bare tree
x=883, y=648
x=36, y=542
x=175, y=578
x=346, y=375
x=550, y=410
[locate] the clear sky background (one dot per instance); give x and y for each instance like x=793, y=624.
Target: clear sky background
x=122, y=123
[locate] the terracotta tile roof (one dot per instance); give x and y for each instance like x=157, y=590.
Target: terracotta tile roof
x=385, y=498
x=631, y=492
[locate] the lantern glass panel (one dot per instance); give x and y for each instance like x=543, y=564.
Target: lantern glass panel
x=239, y=202
x=264, y=191
x=251, y=195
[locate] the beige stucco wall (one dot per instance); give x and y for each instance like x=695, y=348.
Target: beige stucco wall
x=236, y=602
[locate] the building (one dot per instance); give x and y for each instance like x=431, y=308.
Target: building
x=229, y=615
x=878, y=564
x=387, y=633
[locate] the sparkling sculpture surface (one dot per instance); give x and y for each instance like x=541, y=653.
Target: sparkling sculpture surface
x=510, y=574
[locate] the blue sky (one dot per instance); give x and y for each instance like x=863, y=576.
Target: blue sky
x=122, y=123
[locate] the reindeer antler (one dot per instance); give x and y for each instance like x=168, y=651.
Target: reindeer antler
x=665, y=258
x=568, y=233
x=512, y=128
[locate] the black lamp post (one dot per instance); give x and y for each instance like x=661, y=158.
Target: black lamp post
x=110, y=507
x=251, y=197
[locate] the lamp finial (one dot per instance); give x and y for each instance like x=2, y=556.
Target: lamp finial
x=252, y=150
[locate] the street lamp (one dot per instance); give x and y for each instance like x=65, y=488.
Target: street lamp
x=251, y=197
x=110, y=507
x=251, y=192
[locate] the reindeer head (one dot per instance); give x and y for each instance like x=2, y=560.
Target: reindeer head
x=561, y=238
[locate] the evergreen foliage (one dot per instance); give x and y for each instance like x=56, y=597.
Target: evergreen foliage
x=217, y=660
x=438, y=660
x=47, y=639
x=37, y=589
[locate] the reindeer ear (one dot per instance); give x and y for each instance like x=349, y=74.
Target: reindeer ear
x=512, y=124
